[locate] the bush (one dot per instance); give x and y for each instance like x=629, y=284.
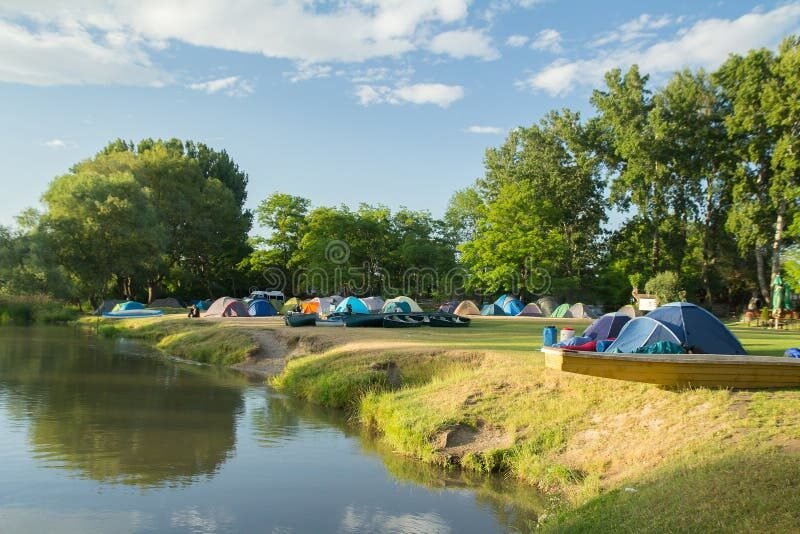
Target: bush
x=22, y=311
x=666, y=287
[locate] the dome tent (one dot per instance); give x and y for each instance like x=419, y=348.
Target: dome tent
x=261, y=308
x=548, y=304
x=531, y=310
x=640, y=332
x=510, y=304
x=356, y=305
x=128, y=305
x=374, y=304
x=290, y=305
x=168, y=302
x=561, y=312
x=467, y=307
x=492, y=309
x=606, y=326
x=697, y=329
x=107, y=306
x=580, y=311
x=413, y=306
x=227, y=307
x=628, y=310
x=396, y=307
x=448, y=307
x=321, y=305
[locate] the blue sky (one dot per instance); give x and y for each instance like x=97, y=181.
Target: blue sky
x=386, y=102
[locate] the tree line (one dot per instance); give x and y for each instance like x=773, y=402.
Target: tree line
x=695, y=184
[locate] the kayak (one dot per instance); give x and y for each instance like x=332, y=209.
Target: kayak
x=363, y=320
x=404, y=320
x=335, y=319
x=447, y=320
x=132, y=314
x=300, y=319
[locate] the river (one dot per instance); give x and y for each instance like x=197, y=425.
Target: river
x=100, y=435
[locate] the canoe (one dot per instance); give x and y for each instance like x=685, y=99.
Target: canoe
x=332, y=320
x=680, y=370
x=362, y=320
x=132, y=314
x=403, y=320
x=300, y=319
x=447, y=320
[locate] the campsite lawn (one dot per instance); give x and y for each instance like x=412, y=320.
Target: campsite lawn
x=615, y=456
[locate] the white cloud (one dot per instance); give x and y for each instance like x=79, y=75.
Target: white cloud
x=705, y=44
x=548, y=39
x=494, y=130
x=635, y=29
x=71, y=55
x=465, y=43
x=231, y=86
x=59, y=144
x=516, y=41
x=112, y=41
x=420, y=93
x=308, y=71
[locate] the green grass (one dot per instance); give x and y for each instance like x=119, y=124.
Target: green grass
x=175, y=335
x=34, y=309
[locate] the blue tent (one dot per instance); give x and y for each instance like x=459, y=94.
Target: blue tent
x=640, y=332
x=513, y=306
x=697, y=329
x=356, y=306
x=128, y=305
x=448, y=307
x=492, y=309
x=396, y=307
x=606, y=326
x=261, y=308
x=509, y=305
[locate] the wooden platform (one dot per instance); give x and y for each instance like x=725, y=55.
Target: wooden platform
x=680, y=370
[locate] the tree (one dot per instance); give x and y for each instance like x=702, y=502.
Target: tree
x=543, y=208
x=89, y=223
x=760, y=92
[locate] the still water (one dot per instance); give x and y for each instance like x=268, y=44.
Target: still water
x=104, y=435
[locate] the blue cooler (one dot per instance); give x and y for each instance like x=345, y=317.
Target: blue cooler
x=549, y=336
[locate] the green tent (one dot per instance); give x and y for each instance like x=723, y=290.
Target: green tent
x=561, y=311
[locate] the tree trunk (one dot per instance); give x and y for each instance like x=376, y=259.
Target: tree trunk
x=707, y=250
x=656, y=250
x=763, y=285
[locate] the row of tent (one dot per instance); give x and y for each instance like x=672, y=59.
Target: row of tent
x=232, y=307
x=508, y=305
x=680, y=323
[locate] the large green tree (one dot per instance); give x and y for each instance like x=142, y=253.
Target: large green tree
x=542, y=212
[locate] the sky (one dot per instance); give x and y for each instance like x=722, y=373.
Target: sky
x=389, y=102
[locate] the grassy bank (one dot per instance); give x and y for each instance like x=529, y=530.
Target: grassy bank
x=190, y=339
x=612, y=455
x=620, y=456
x=34, y=309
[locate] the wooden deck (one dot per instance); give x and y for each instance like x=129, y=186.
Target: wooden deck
x=680, y=370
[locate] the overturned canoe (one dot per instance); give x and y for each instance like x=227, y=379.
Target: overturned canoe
x=680, y=370
x=447, y=320
x=403, y=320
x=300, y=319
x=132, y=314
x=362, y=320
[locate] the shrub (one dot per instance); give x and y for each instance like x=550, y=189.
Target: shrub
x=666, y=287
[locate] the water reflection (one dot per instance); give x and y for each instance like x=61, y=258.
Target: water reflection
x=116, y=417
x=513, y=504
